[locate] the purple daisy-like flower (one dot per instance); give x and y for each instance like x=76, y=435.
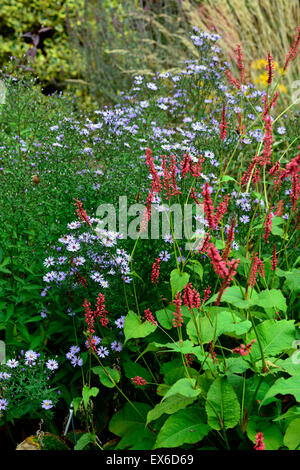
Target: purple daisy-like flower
x=102, y=352
x=51, y=364
x=120, y=322
x=47, y=404
x=31, y=355
x=116, y=346
x=164, y=255
x=3, y=403
x=12, y=363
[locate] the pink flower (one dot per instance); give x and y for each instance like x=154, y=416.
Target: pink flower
x=244, y=350
x=259, y=438
x=223, y=124
x=177, y=315
x=149, y=317
x=274, y=259
x=208, y=207
x=139, y=381
x=217, y=262
x=268, y=224
x=240, y=62
x=81, y=212
x=293, y=51
x=155, y=271
x=191, y=297
x=270, y=68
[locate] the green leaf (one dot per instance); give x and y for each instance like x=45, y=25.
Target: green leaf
x=236, y=365
x=84, y=440
x=132, y=369
x=285, y=387
x=130, y=424
x=76, y=402
x=104, y=377
x=291, y=365
x=184, y=387
x=223, y=322
x=178, y=281
x=234, y=295
x=133, y=328
x=273, y=438
x=87, y=393
x=227, y=178
x=184, y=427
x=271, y=298
x=222, y=400
x=196, y=267
x=292, y=435
x=165, y=316
x=275, y=336
x=169, y=406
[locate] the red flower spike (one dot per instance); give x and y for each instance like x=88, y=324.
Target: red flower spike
x=223, y=125
x=208, y=207
x=217, y=262
x=268, y=225
x=155, y=271
x=139, y=381
x=177, y=315
x=229, y=241
x=240, y=62
x=270, y=68
x=293, y=50
x=81, y=212
x=191, y=297
x=259, y=439
x=149, y=317
x=274, y=259
x=244, y=350
x=232, y=80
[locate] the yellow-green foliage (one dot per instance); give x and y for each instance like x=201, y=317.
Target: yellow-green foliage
x=56, y=61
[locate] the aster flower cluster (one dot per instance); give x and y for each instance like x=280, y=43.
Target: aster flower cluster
x=96, y=253
x=25, y=384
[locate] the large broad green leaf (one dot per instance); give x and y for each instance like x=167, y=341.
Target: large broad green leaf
x=178, y=281
x=184, y=347
x=271, y=299
x=235, y=295
x=236, y=365
x=292, y=278
x=275, y=336
x=222, y=401
x=169, y=406
x=222, y=322
x=292, y=435
x=130, y=424
x=290, y=386
x=290, y=365
x=273, y=438
x=184, y=387
x=133, y=328
x=105, y=378
x=184, y=427
x=165, y=316
x=132, y=369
